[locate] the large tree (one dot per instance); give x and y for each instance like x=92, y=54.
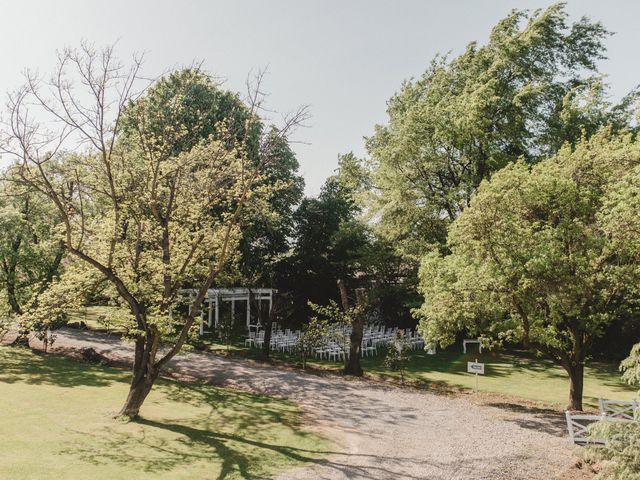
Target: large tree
x=532, y=87
x=534, y=259
x=152, y=200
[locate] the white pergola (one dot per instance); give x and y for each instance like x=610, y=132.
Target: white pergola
x=217, y=295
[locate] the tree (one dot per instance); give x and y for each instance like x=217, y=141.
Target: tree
x=347, y=324
x=267, y=224
x=314, y=335
x=333, y=239
x=533, y=258
x=149, y=201
x=29, y=252
x=530, y=89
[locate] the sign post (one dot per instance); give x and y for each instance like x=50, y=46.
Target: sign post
x=477, y=368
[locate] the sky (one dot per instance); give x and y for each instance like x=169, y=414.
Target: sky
x=343, y=58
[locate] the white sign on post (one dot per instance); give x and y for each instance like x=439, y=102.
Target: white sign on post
x=475, y=367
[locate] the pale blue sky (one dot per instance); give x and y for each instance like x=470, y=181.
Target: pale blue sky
x=344, y=58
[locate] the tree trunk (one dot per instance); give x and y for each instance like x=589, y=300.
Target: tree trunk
x=138, y=392
x=353, y=366
x=355, y=348
x=12, y=297
x=266, y=346
x=576, y=378
x=575, y=367
x=145, y=373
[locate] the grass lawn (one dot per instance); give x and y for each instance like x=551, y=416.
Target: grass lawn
x=91, y=316
x=514, y=374
x=57, y=422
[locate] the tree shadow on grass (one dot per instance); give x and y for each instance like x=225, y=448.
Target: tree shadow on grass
x=21, y=365
x=232, y=455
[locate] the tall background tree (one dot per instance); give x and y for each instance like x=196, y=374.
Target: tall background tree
x=534, y=259
x=333, y=240
x=532, y=87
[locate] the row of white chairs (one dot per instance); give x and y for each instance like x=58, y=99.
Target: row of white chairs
x=336, y=347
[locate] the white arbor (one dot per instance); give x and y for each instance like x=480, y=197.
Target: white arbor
x=215, y=296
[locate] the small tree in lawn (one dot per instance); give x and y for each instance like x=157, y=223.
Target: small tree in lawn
x=534, y=258
x=315, y=334
x=350, y=325
x=280, y=310
x=398, y=355
x=151, y=194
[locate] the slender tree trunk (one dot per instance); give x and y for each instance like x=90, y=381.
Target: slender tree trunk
x=12, y=297
x=576, y=385
x=575, y=368
x=266, y=346
x=355, y=349
x=352, y=364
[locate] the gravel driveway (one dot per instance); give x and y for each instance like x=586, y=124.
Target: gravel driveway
x=384, y=432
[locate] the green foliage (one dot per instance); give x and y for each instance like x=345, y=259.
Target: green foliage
x=30, y=252
x=315, y=334
x=158, y=199
x=631, y=367
x=337, y=320
x=214, y=113
x=622, y=450
x=268, y=227
x=534, y=259
x=188, y=106
x=333, y=240
x=50, y=313
x=530, y=89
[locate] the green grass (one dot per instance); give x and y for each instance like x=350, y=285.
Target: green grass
x=56, y=416
x=515, y=374
x=512, y=374
x=91, y=316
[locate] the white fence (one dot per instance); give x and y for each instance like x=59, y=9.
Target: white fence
x=610, y=411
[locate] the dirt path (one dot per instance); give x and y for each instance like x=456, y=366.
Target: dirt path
x=385, y=432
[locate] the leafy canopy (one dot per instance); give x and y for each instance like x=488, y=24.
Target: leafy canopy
x=532, y=87
x=535, y=258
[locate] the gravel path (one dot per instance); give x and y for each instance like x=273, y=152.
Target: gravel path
x=384, y=432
